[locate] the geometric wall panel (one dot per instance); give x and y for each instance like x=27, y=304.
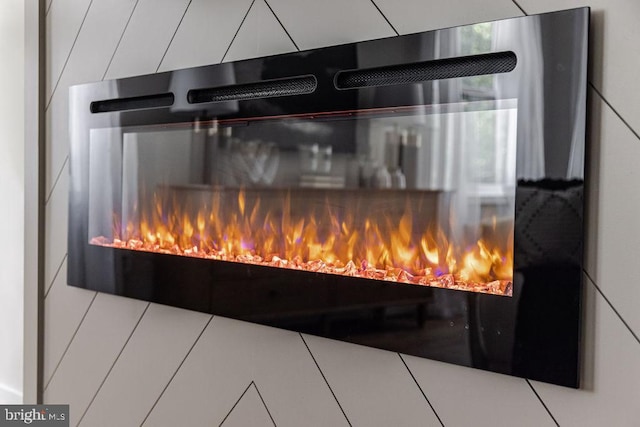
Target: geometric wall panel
x=96, y=351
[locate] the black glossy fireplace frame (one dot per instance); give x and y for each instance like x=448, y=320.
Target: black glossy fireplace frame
x=534, y=334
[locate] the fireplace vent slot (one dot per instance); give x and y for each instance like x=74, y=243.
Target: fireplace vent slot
x=464, y=66
x=133, y=103
x=299, y=85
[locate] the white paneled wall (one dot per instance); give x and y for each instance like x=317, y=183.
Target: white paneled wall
x=163, y=331
x=148, y=34
x=227, y=358
x=314, y=24
x=260, y=34
x=206, y=31
x=91, y=52
x=412, y=16
x=166, y=367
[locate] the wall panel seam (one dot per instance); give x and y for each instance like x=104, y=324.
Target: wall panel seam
x=104, y=380
x=624, y=322
x=519, y=7
x=282, y=25
x=55, y=182
x=176, y=371
x=421, y=390
x=325, y=379
x=236, y=403
x=622, y=119
x=263, y=402
x=75, y=332
x=385, y=18
x=542, y=402
x=174, y=35
x=238, y=30
x=53, y=91
x=120, y=39
x=55, y=276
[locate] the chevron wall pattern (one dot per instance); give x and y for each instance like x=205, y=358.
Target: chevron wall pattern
x=122, y=362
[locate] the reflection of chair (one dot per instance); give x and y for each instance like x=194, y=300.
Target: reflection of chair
x=548, y=227
x=538, y=333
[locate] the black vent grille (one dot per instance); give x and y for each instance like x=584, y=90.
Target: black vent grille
x=265, y=89
x=463, y=66
x=133, y=103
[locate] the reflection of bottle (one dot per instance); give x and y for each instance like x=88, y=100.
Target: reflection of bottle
x=392, y=148
x=366, y=172
x=353, y=173
x=223, y=166
x=211, y=153
x=410, y=157
x=398, y=179
x=382, y=178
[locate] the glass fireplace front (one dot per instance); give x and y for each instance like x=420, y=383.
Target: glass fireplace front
x=416, y=195
x=420, y=194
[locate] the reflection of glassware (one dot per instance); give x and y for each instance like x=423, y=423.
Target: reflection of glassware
x=254, y=162
x=271, y=163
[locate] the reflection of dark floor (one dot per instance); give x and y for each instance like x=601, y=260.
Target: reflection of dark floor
x=396, y=329
x=434, y=340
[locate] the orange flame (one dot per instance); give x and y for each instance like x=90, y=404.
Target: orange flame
x=316, y=238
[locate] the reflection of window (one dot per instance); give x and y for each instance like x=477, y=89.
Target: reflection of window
x=490, y=144
x=476, y=39
x=490, y=135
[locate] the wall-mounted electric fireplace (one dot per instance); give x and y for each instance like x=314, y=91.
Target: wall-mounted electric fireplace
x=420, y=194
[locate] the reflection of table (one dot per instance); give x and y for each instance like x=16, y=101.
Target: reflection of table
x=272, y=293
x=426, y=207
x=285, y=302
x=257, y=293
x=322, y=181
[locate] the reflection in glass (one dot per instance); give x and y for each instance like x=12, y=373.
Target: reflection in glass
x=420, y=195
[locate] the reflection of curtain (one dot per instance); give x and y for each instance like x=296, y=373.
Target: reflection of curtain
x=445, y=130
x=130, y=178
x=105, y=183
x=457, y=148
x=105, y=180
x=449, y=150
x=525, y=36
x=575, y=169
